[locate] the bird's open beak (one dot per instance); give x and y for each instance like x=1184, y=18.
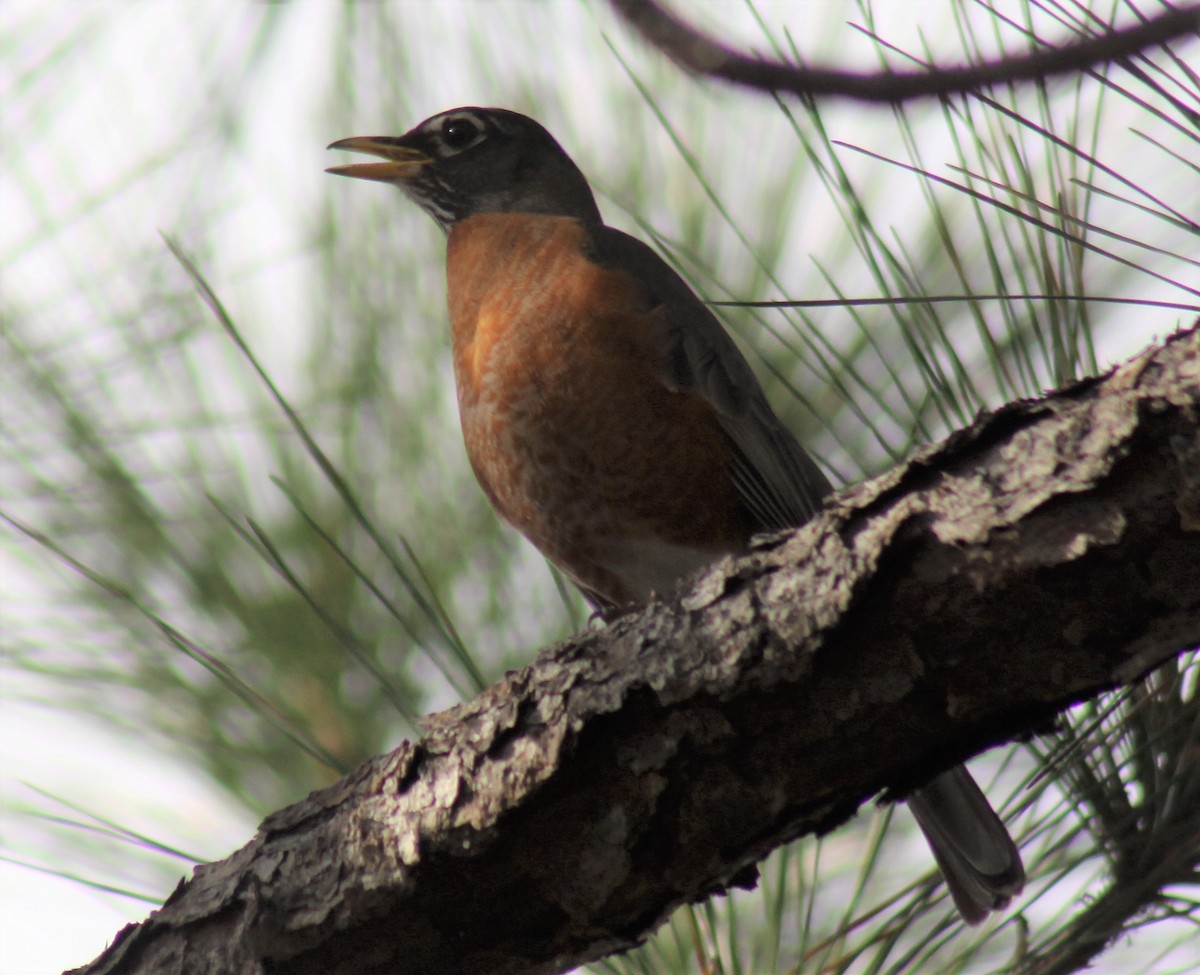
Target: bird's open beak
x=402, y=162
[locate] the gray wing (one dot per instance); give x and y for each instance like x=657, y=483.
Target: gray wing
x=779, y=482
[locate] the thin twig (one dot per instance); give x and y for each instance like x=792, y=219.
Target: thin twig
x=704, y=55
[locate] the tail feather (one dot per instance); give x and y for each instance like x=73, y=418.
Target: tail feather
x=977, y=857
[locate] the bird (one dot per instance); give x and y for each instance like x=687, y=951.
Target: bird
x=608, y=415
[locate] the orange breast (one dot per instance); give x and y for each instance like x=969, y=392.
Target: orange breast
x=573, y=436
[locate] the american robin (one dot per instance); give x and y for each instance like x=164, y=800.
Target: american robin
x=608, y=415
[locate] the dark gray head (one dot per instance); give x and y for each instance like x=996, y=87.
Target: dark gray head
x=476, y=160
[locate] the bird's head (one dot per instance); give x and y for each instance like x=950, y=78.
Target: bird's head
x=476, y=160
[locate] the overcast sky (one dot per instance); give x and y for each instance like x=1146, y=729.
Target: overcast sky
x=108, y=142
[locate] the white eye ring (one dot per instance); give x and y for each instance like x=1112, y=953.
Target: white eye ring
x=459, y=132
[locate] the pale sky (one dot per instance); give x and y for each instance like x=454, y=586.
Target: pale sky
x=110, y=145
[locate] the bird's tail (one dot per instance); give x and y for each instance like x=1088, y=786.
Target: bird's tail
x=971, y=845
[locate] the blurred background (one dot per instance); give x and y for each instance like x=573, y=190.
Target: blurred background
x=242, y=549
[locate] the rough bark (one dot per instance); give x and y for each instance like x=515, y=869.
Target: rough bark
x=1049, y=552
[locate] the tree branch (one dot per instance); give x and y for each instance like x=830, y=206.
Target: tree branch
x=1047, y=553
x=703, y=55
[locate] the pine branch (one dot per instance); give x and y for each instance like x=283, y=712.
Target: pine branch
x=706, y=56
x=1049, y=552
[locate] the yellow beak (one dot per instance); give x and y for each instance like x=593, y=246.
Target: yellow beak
x=402, y=162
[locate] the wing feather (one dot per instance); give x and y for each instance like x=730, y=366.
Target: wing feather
x=781, y=485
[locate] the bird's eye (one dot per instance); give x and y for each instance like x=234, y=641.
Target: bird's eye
x=459, y=133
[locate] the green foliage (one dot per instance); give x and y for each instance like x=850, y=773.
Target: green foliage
x=233, y=470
